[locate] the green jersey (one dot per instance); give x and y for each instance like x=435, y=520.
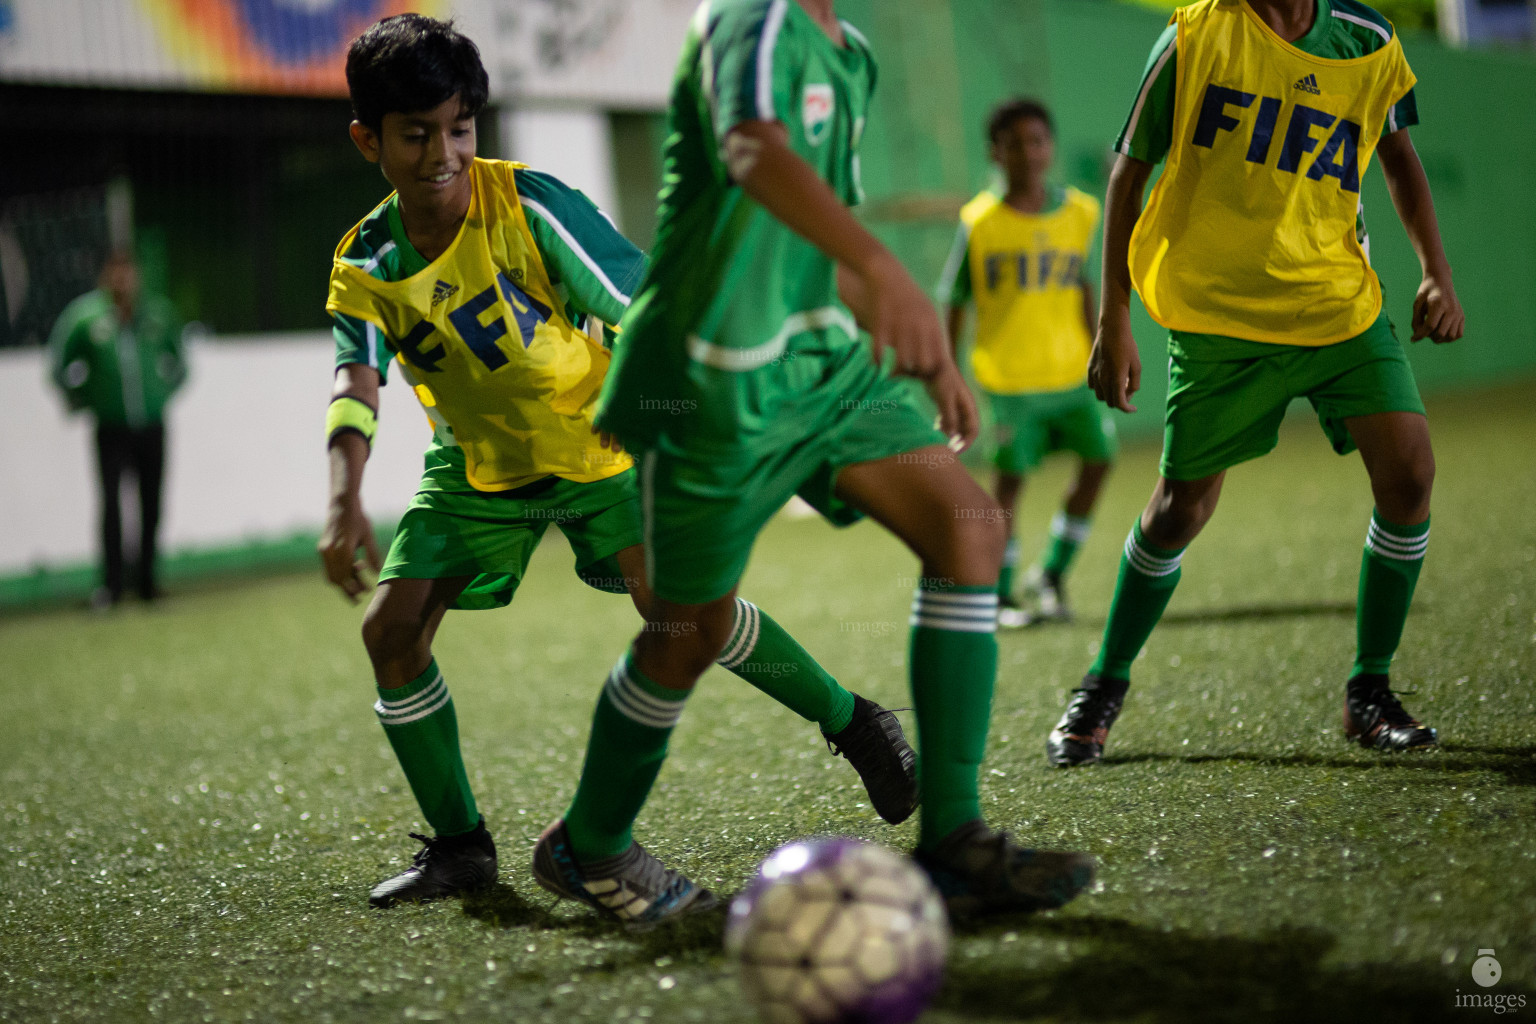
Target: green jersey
x=1342, y=30
x=124, y=373
x=732, y=296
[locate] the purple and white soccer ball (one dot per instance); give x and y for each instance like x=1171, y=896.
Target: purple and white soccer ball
x=839, y=931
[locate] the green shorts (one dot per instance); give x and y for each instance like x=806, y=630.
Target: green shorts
x=451, y=530
x=1226, y=397
x=706, y=499
x=1031, y=426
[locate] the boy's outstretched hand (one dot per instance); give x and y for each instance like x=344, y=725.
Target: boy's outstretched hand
x=1437, y=313
x=346, y=530
x=1114, y=365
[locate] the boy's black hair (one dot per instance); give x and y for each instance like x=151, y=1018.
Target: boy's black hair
x=1018, y=109
x=410, y=63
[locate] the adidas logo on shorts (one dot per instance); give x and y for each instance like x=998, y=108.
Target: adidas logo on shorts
x=1308, y=84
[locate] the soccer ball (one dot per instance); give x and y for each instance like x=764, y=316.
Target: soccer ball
x=838, y=931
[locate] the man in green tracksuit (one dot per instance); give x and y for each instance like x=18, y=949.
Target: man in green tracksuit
x=116, y=351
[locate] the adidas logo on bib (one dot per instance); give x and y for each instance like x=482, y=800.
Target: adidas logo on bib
x=442, y=291
x=1308, y=84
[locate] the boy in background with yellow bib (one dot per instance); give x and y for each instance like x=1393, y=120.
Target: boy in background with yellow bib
x=1252, y=252
x=471, y=277
x=1022, y=260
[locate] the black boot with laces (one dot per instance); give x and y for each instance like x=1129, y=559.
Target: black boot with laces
x=1080, y=735
x=874, y=744
x=1375, y=718
x=444, y=866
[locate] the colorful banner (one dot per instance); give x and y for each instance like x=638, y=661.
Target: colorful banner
x=270, y=46
x=249, y=46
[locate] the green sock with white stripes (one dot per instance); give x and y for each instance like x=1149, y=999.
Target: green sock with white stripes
x=763, y=654
x=1148, y=576
x=421, y=725
x=630, y=729
x=953, y=662
x=1389, y=570
x=1011, y=555
x=1067, y=535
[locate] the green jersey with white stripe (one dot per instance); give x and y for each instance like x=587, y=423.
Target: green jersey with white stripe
x=592, y=266
x=732, y=296
x=1343, y=30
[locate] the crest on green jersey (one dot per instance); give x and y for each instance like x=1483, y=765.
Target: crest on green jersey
x=816, y=108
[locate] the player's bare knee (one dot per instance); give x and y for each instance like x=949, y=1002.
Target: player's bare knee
x=1403, y=492
x=976, y=538
x=388, y=635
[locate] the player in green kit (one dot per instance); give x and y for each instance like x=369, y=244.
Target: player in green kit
x=740, y=380
x=1021, y=257
x=1252, y=252
x=470, y=278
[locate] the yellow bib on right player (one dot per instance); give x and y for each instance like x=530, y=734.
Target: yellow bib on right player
x=1027, y=280
x=1250, y=232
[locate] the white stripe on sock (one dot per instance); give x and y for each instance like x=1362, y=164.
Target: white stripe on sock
x=744, y=639
x=957, y=613
x=1390, y=545
x=403, y=712
x=1146, y=563
x=406, y=705
x=638, y=706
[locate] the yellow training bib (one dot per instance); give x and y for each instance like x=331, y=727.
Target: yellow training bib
x=1026, y=281
x=1250, y=232
x=484, y=338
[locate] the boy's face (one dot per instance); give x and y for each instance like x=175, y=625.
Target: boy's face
x=1024, y=149
x=425, y=155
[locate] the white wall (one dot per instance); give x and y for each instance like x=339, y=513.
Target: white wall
x=245, y=455
x=574, y=145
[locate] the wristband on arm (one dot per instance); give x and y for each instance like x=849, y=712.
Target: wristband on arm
x=348, y=413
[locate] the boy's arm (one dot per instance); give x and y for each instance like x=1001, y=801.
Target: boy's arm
x=1114, y=366
x=954, y=323
x=1437, y=313
x=895, y=311
x=1089, y=304
x=882, y=295
x=347, y=527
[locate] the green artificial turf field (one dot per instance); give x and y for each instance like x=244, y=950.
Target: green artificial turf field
x=195, y=799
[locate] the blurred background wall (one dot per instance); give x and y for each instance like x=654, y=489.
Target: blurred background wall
x=211, y=135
